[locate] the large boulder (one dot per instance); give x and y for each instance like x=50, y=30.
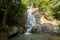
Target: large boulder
x=44, y=28
x=36, y=29
x=12, y=30
x=15, y=30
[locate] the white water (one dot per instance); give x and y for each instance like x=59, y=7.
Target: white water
x=31, y=21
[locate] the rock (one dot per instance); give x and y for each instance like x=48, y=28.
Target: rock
x=12, y=30
x=44, y=28
x=21, y=29
x=36, y=29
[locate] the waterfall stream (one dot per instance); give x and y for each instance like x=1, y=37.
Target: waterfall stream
x=31, y=21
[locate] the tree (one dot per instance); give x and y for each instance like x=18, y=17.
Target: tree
x=13, y=13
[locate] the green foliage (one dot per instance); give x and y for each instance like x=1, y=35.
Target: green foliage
x=56, y=9
x=49, y=7
x=16, y=14
x=13, y=14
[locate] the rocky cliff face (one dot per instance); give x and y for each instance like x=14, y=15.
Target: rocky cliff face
x=41, y=19
x=43, y=24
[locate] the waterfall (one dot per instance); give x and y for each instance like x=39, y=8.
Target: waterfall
x=31, y=21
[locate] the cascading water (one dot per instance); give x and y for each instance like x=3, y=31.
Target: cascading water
x=31, y=21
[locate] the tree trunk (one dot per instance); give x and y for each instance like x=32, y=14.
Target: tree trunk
x=7, y=6
x=4, y=17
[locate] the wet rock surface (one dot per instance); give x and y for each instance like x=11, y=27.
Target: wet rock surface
x=45, y=28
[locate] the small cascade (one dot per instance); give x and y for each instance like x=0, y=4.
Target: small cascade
x=31, y=21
